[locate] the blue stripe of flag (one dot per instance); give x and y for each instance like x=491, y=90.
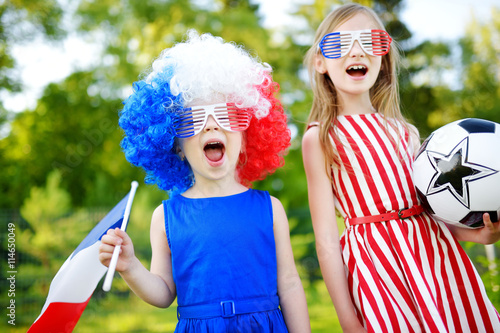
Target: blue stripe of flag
x=112, y=220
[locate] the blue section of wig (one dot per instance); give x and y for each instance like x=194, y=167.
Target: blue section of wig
x=147, y=119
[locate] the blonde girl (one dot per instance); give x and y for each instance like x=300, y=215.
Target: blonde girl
x=394, y=269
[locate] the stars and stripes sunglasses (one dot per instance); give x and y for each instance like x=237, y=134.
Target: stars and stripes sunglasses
x=337, y=44
x=193, y=119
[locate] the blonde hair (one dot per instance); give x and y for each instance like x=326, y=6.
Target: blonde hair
x=384, y=94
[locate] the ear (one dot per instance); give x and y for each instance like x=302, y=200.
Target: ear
x=243, y=158
x=319, y=64
x=179, y=152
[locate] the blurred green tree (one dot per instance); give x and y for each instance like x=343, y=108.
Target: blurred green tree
x=42, y=209
x=73, y=130
x=21, y=21
x=480, y=96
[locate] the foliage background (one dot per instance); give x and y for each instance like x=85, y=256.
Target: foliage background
x=62, y=168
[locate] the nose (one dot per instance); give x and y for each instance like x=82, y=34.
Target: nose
x=211, y=124
x=356, y=50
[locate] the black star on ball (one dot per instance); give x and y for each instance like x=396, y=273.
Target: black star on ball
x=454, y=172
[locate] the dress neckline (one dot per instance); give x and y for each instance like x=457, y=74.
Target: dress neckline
x=217, y=197
x=374, y=114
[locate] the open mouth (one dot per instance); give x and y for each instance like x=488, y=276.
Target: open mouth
x=357, y=70
x=214, y=151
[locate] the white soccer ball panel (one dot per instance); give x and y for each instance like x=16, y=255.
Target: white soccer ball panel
x=478, y=143
x=485, y=197
x=451, y=212
x=425, y=172
x=446, y=138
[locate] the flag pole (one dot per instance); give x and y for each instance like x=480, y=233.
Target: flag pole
x=114, y=259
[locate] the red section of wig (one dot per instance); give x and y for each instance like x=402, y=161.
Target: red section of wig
x=267, y=139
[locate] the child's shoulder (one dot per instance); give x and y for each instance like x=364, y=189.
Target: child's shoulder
x=159, y=213
x=311, y=144
x=276, y=203
x=311, y=134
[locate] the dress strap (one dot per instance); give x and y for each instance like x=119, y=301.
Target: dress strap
x=312, y=124
x=228, y=308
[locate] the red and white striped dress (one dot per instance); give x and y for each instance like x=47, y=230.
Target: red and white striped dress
x=404, y=275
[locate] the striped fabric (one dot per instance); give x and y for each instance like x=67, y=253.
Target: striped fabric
x=405, y=275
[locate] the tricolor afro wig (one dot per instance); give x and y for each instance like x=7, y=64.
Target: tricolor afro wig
x=208, y=69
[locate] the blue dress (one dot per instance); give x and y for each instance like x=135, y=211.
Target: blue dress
x=224, y=263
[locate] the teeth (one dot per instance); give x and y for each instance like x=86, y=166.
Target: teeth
x=214, y=144
x=356, y=67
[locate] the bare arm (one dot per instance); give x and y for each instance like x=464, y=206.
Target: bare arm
x=321, y=205
x=292, y=297
x=156, y=286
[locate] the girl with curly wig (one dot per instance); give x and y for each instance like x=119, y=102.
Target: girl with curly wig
x=204, y=124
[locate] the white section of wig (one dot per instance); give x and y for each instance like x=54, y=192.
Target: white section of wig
x=209, y=70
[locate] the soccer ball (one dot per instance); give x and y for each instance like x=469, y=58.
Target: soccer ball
x=457, y=172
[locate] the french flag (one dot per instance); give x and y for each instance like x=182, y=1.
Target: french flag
x=76, y=280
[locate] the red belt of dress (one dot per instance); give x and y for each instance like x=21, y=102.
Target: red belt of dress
x=394, y=215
